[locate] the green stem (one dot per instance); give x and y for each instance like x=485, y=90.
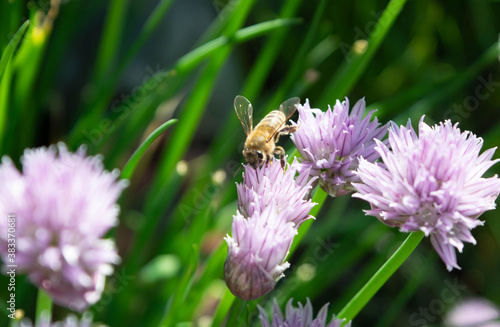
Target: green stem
x=319, y=197
x=129, y=167
x=168, y=79
x=355, y=64
x=223, y=308
x=297, y=66
x=149, y=27
x=110, y=43
x=381, y=276
x=9, y=51
x=225, y=141
x=235, y=313
x=43, y=305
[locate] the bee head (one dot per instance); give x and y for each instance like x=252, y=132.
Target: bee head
x=254, y=157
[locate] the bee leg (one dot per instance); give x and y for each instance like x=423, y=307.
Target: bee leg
x=281, y=153
x=285, y=130
x=288, y=129
x=268, y=161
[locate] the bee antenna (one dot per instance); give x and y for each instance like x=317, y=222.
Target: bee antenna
x=236, y=173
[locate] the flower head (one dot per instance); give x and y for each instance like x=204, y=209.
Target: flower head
x=70, y=321
x=61, y=206
x=302, y=316
x=331, y=143
x=271, y=206
x=431, y=182
x=478, y=312
x=257, y=252
x=270, y=183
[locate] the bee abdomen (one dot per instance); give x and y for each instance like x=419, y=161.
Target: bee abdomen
x=273, y=120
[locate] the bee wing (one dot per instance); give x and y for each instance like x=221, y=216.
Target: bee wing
x=287, y=108
x=244, y=111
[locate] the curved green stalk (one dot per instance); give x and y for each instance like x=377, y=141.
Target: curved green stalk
x=236, y=311
x=9, y=51
x=149, y=27
x=43, y=305
x=319, y=197
x=351, y=71
x=381, y=276
x=110, y=42
x=223, y=308
x=129, y=167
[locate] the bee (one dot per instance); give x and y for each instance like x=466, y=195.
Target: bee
x=260, y=145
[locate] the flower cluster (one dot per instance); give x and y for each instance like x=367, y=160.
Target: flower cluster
x=63, y=204
x=298, y=317
x=431, y=182
x=478, y=312
x=331, y=143
x=272, y=205
x=70, y=321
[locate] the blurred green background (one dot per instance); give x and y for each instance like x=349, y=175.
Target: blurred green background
x=107, y=73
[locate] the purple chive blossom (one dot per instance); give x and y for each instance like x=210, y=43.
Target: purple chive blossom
x=331, y=142
x=269, y=183
x=257, y=252
x=63, y=204
x=271, y=206
x=70, y=321
x=478, y=312
x=431, y=182
x=298, y=317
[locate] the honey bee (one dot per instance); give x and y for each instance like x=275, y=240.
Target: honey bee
x=260, y=145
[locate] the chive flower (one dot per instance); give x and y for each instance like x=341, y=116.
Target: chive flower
x=70, y=321
x=478, y=312
x=271, y=183
x=61, y=206
x=431, y=182
x=272, y=204
x=301, y=316
x=331, y=143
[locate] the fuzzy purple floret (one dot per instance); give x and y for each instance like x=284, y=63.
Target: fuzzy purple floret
x=269, y=184
x=331, y=143
x=431, y=182
x=70, y=321
x=302, y=316
x=64, y=203
x=272, y=205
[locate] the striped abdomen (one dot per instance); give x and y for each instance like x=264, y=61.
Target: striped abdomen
x=271, y=123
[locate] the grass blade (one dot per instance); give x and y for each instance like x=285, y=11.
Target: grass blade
x=297, y=66
x=173, y=79
x=194, y=107
x=9, y=51
x=455, y=83
x=110, y=43
x=224, y=140
x=105, y=94
x=350, y=72
x=43, y=305
x=223, y=308
x=4, y=105
x=149, y=27
x=235, y=313
x=129, y=167
x=381, y=276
